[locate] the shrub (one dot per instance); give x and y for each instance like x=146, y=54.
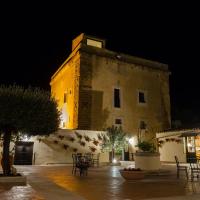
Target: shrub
x=146, y=146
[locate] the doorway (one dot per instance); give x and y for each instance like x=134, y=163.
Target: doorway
x=23, y=153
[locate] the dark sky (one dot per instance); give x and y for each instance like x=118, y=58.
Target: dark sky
x=36, y=39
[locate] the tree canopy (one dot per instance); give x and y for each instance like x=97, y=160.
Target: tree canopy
x=31, y=111
x=26, y=111
x=114, y=140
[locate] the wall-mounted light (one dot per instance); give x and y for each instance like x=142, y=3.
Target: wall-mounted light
x=25, y=138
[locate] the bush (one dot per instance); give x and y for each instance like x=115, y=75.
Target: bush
x=146, y=146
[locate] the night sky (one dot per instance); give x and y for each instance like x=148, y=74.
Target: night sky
x=36, y=39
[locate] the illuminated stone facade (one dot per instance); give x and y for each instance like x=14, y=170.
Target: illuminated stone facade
x=96, y=88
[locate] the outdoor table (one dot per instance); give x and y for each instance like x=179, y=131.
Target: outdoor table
x=83, y=164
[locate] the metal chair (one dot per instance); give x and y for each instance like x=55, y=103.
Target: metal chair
x=195, y=170
x=89, y=157
x=81, y=163
x=96, y=160
x=180, y=168
x=74, y=163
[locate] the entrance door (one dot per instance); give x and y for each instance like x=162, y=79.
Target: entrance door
x=23, y=153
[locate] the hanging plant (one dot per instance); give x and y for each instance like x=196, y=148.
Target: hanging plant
x=78, y=135
x=65, y=146
x=100, y=137
x=93, y=149
x=173, y=139
x=82, y=143
x=61, y=137
x=87, y=138
x=160, y=143
x=178, y=140
x=75, y=149
x=71, y=139
x=95, y=142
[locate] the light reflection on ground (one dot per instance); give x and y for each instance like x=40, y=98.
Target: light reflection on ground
x=104, y=183
x=11, y=192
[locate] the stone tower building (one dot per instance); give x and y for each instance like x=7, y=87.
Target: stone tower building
x=96, y=88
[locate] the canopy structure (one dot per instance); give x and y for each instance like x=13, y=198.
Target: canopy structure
x=189, y=134
x=178, y=133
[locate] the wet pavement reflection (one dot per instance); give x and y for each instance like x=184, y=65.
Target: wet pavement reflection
x=103, y=183
x=13, y=192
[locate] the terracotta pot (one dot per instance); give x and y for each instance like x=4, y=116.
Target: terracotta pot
x=132, y=175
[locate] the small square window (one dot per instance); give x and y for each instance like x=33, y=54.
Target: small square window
x=118, y=121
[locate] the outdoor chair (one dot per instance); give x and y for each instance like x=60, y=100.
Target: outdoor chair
x=180, y=167
x=89, y=157
x=74, y=163
x=81, y=163
x=195, y=170
x=95, y=160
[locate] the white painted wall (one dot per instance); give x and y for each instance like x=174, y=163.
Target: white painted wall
x=45, y=151
x=170, y=149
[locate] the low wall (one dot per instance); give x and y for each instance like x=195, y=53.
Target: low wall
x=58, y=148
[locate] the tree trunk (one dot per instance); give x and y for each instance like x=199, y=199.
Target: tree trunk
x=113, y=154
x=6, y=165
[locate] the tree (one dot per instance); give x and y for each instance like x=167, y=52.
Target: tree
x=114, y=140
x=26, y=111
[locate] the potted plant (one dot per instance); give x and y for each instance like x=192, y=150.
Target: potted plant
x=132, y=173
x=146, y=157
x=146, y=146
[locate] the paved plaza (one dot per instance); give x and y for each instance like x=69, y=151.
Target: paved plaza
x=56, y=182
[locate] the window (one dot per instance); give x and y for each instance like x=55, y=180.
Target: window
x=143, y=125
x=117, y=98
x=94, y=43
x=118, y=121
x=65, y=97
x=141, y=97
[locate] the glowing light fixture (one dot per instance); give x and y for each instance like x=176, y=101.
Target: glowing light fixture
x=114, y=160
x=25, y=138
x=131, y=141
x=189, y=145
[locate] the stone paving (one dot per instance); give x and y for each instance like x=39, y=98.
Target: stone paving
x=55, y=182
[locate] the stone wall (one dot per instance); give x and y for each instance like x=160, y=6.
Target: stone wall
x=101, y=74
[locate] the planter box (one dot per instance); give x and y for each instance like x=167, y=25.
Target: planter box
x=132, y=175
x=13, y=179
x=147, y=161
x=127, y=163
